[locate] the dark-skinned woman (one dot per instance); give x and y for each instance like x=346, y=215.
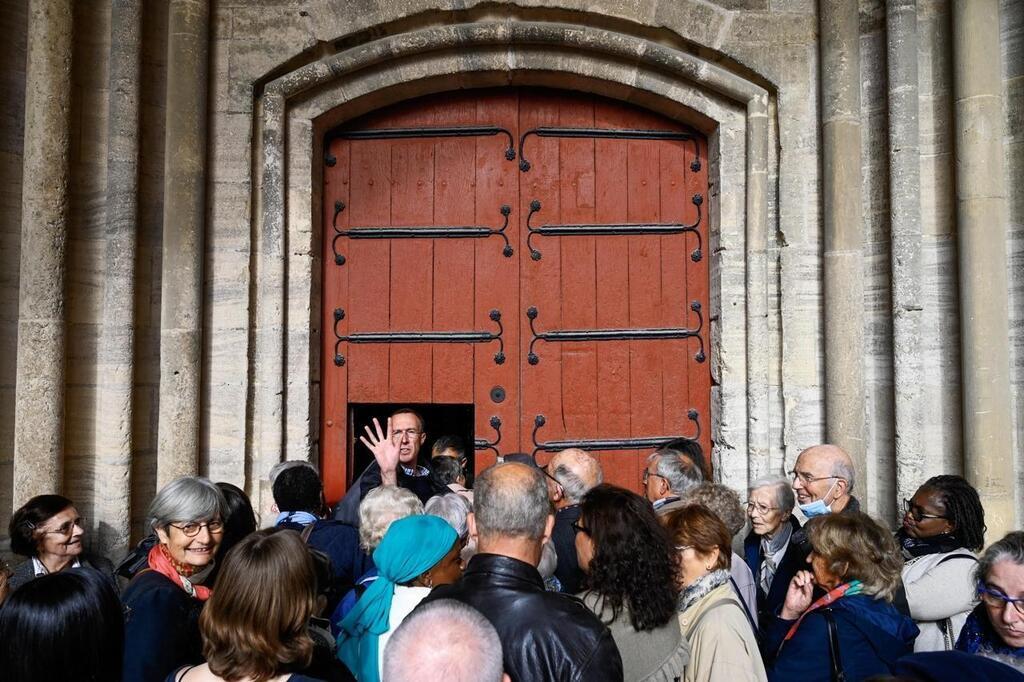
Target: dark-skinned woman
x=943, y=527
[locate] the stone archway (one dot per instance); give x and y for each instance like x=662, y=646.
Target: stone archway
x=296, y=108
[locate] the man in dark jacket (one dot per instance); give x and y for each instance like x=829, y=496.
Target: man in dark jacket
x=299, y=494
x=546, y=636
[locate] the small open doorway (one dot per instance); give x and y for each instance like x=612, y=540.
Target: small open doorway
x=438, y=420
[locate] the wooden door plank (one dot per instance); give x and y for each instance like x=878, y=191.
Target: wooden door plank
x=454, y=161
x=496, y=182
x=698, y=288
x=412, y=203
x=368, y=262
x=540, y=280
x=334, y=380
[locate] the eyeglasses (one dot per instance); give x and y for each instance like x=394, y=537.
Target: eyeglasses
x=544, y=470
x=761, y=509
x=191, y=529
x=683, y=548
x=411, y=433
x=67, y=528
x=806, y=477
x=647, y=474
x=579, y=528
x=998, y=600
x=917, y=512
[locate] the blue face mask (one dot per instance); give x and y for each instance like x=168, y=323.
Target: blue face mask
x=818, y=507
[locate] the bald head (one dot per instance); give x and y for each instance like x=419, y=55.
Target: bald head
x=576, y=472
x=511, y=500
x=824, y=472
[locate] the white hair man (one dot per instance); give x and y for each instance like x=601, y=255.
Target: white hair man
x=444, y=641
x=823, y=479
x=668, y=476
x=571, y=473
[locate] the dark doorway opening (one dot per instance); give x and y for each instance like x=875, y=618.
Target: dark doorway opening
x=438, y=420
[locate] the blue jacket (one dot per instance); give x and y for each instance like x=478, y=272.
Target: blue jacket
x=872, y=636
x=340, y=542
x=793, y=560
x=161, y=628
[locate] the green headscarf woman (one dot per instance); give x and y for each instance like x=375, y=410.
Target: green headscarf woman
x=417, y=553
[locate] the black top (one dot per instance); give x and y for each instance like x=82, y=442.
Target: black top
x=161, y=630
x=424, y=486
x=546, y=636
x=563, y=537
x=25, y=572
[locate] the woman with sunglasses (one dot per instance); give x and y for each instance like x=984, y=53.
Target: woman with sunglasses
x=163, y=601
x=48, y=530
x=943, y=527
x=996, y=626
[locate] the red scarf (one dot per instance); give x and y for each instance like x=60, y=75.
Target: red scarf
x=851, y=588
x=160, y=561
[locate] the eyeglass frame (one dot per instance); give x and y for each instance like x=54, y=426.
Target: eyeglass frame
x=751, y=506
x=807, y=478
x=199, y=526
x=67, y=528
x=544, y=470
x=577, y=528
x=647, y=474
x=907, y=504
x=1018, y=602
x=411, y=433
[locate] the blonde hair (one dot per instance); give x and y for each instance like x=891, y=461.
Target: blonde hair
x=856, y=547
x=381, y=507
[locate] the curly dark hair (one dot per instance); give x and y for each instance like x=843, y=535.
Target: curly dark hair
x=963, y=509
x=634, y=563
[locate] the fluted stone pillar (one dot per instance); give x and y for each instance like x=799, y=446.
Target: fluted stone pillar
x=905, y=243
x=843, y=228
x=39, y=393
x=117, y=346
x=981, y=239
x=181, y=309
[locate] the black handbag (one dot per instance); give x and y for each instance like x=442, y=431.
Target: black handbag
x=833, y=647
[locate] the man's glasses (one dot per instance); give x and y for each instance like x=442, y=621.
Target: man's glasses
x=67, y=528
x=647, y=474
x=191, y=529
x=544, y=470
x=577, y=527
x=998, y=600
x=806, y=477
x=411, y=433
x=917, y=512
x=761, y=509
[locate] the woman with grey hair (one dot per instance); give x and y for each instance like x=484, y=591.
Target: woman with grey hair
x=163, y=602
x=774, y=549
x=995, y=627
x=454, y=509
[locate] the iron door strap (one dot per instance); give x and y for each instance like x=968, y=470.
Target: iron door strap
x=416, y=133
x=634, y=334
x=418, y=337
x=419, y=232
x=607, y=229
x=610, y=134
x=602, y=444
x=484, y=444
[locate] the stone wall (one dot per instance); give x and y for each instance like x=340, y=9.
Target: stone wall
x=749, y=72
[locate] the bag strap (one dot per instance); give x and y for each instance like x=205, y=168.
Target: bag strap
x=743, y=605
x=957, y=556
x=713, y=607
x=306, y=532
x=838, y=675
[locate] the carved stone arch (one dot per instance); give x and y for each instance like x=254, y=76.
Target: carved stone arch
x=296, y=108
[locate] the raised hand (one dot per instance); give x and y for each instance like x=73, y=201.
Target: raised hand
x=384, y=449
x=798, y=596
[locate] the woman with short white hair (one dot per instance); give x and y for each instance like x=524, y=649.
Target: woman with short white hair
x=162, y=604
x=775, y=549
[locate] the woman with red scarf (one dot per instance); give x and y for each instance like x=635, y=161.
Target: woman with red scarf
x=163, y=601
x=837, y=621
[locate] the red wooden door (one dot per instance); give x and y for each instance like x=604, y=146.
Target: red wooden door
x=600, y=296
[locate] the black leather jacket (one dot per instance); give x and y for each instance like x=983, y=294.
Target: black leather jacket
x=546, y=636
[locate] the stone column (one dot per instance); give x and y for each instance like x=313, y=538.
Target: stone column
x=117, y=345
x=981, y=238
x=905, y=242
x=39, y=393
x=181, y=304
x=843, y=228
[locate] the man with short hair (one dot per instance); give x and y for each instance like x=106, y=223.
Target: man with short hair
x=823, y=479
x=668, y=476
x=570, y=473
x=299, y=495
x=547, y=636
x=444, y=641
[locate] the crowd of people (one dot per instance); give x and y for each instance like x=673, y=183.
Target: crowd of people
x=536, y=574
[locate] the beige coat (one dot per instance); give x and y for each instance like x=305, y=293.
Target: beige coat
x=722, y=645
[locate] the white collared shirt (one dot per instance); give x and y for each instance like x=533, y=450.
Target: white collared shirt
x=39, y=570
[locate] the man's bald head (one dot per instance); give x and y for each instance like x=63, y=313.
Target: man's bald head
x=444, y=641
x=824, y=472
x=836, y=460
x=511, y=500
x=576, y=471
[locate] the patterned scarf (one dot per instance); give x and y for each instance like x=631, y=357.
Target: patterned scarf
x=701, y=587
x=770, y=546
x=851, y=588
x=979, y=637
x=160, y=560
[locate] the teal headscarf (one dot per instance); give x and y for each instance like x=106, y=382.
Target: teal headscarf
x=411, y=546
